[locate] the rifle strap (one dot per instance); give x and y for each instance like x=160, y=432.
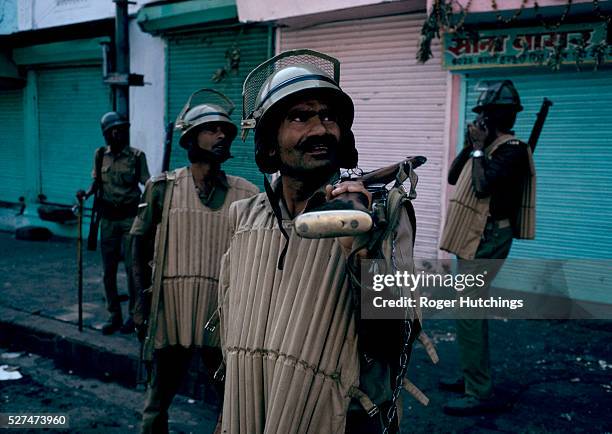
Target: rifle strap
x=98, y=164
x=158, y=268
x=137, y=168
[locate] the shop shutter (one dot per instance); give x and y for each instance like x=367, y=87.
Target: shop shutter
x=71, y=101
x=193, y=59
x=399, y=104
x=574, y=174
x=12, y=155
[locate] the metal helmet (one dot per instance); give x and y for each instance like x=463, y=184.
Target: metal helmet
x=190, y=119
x=290, y=74
x=497, y=93
x=112, y=119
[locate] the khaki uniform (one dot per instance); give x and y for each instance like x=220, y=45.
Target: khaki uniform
x=196, y=235
x=120, y=176
x=289, y=336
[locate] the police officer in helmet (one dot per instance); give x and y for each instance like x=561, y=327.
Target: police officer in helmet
x=186, y=211
x=495, y=200
x=118, y=170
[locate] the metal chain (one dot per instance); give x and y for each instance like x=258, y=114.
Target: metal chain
x=403, y=359
x=399, y=379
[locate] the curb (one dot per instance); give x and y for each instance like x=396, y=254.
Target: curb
x=89, y=353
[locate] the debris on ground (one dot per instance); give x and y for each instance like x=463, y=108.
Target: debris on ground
x=9, y=373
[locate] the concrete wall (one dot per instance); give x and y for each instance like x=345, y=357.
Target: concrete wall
x=147, y=104
x=269, y=10
x=42, y=14
x=8, y=16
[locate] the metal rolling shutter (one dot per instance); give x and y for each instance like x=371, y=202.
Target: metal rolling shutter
x=12, y=155
x=399, y=104
x=192, y=60
x=574, y=174
x=71, y=101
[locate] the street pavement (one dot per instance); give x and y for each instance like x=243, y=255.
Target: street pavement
x=555, y=375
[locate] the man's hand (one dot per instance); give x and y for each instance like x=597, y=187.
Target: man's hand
x=81, y=195
x=477, y=134
x=141, y=332
x=140, y=317
x=333, y=192
x=141, y=313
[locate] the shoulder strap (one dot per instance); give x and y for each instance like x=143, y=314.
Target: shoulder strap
x=149, y=343
x=137, y=167
x=98, y=163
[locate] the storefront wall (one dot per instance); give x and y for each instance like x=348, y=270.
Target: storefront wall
x=71, y=100
x=193, y=59
x=400, y=105
x=12, y=153
x=574, y=173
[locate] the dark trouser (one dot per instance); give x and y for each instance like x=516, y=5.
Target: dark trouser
x=473, y=334
x=359, y=422
x=113, y=235
x=170, y=365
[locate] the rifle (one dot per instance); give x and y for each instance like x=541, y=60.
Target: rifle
x=167, y=146
x=539, y=124
x=96, y=211
x=80, y=261
x=387, y=174
x=348, y=214
x=143, y=371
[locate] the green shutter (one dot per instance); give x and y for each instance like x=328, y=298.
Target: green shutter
x=12, y=156
x=192, y=61
x=574, y=173
x=71, y=101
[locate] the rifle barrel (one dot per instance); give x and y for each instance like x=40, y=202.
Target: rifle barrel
x=539, y=124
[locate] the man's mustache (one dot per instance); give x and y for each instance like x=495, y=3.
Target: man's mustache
x=328, y=140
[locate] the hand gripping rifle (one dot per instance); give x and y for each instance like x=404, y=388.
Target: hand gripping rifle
x=348, y=214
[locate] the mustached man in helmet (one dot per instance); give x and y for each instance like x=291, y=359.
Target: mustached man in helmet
x=289, y=328
x=118, y=171
x=186, y=212
x=494, y=202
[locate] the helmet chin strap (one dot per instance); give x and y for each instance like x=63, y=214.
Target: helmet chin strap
x=273, y=199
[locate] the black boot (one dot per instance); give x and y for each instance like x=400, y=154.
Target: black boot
x=452, y=384
x=128, y=327
x=113, y=324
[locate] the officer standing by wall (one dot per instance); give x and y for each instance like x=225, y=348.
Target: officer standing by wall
x=118, y=171
x=494, y=202
x=187, y=212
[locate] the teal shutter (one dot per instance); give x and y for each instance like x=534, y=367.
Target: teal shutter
x=12, y=155
x=192, y=60
x=71, y=101
x=574, y=173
